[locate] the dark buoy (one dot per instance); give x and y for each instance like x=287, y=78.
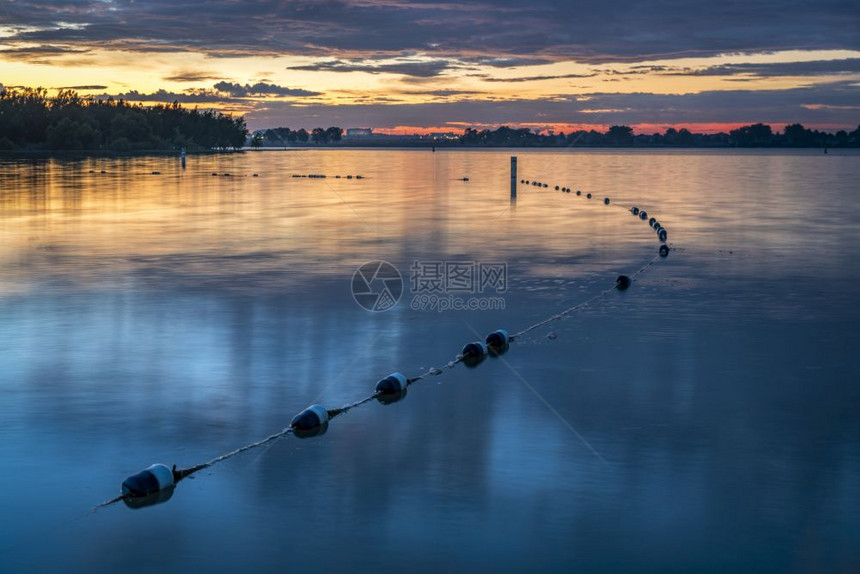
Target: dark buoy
x=476, y=349
x=578, y=192
x=605, y=201
x=664, y=250
x=393, y=383
x=362, y=177
x=623, y=282
x=651, y=222
x=156, y=173
x=634, y=210
x=498, y=338
x=349, y=177
x=556, y=188
x=498, y=342
x=156, y=477
x=643, y=215
x=464, y=179
x=546, y=185
x=656, y=225
x=588, y=195
x=662, y=234
x=310, y=418
x=474, y=353
x=254, y=175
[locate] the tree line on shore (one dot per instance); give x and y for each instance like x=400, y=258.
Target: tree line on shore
x=755, y=135
x=32, y=121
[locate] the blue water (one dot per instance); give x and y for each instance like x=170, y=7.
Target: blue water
x=705, y=419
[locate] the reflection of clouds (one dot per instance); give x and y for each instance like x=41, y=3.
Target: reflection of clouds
x=721, y=423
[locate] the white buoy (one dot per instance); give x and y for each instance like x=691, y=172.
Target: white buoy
x=310, y=418
x=156, y=477
x=393, y=383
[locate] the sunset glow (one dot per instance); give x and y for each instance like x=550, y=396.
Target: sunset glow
x=402, y=67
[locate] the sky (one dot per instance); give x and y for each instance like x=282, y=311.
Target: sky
x=402, y=66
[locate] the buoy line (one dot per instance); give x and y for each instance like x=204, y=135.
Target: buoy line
x=155, y=484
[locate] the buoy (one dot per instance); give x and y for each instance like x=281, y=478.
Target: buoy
x=310, y=418
x=526, y=182
x=362, y=177
x=349, y=177
x=651, y=222
x=546, y=185
x=474, y=353
x=578, y=192
x=635, y=210
x=643, y=215
x=156, y=477
x=606, y=201
x=498, y=338
x=662, y=234
x=664, y=250
x=588, y=195
x=556, y=188
x=156, y=173
x=623, y=282
x=656, y=225
x=393, y=383
x=254, y=175
x=474, y=350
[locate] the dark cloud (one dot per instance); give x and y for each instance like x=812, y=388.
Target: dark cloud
x=191, y=77
x=834, y=103
x=91, y=87
x=813, y=68
x=162, y=95
x=42, y=54
x=260, y=89
x=421, y=69
x=502, y=32
x=538, y=78
x=440, y=93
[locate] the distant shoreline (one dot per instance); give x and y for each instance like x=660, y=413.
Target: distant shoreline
x=95, y=154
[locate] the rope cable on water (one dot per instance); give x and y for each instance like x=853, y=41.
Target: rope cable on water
x=179, y=474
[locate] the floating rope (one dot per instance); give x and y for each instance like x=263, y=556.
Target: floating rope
x=156, y=483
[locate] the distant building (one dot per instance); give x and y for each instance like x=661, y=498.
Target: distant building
x=359, y=132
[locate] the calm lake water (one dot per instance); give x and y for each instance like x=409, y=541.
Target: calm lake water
x=705, y=419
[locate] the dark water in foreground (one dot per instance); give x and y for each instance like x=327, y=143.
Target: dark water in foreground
x=172, y=318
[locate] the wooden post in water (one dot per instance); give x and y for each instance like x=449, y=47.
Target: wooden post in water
x=513, y=177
